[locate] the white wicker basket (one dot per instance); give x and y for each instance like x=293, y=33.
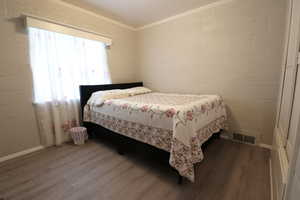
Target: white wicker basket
x=78, y=134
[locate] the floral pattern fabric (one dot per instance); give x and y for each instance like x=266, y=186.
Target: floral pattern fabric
x=176, y=123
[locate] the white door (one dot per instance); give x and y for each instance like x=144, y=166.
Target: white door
x=286, y=111
x=293, y=129
x=293, y=187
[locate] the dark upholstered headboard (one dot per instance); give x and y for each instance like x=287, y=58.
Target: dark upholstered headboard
x=87, y=90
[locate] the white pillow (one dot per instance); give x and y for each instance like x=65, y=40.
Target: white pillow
x=137, y=90
x=98, y=98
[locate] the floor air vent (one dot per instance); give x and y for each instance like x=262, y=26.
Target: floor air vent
x=244, y=138
x=238, y=137
x=249, y=139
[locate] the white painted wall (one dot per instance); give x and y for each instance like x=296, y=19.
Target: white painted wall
x=234, y=49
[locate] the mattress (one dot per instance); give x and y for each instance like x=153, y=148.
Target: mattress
x=176, y=123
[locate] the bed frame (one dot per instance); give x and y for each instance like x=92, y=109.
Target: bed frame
x=94, y=129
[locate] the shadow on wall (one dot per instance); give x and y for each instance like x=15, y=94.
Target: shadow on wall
x=19, y=22
x=232, y=121
x=20, y=28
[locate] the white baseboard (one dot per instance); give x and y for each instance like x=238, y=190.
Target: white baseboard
x=21, y=153
x=266, y=146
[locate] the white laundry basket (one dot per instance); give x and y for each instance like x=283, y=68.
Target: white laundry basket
x=78, y=134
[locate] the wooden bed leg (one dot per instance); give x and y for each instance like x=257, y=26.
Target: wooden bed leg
x=120, y=151
x=179, y=179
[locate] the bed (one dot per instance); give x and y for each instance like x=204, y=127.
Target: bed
x=176, y=123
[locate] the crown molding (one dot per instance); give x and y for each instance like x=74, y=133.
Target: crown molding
x=186, y=13
x=96, y=15
x=174, y=17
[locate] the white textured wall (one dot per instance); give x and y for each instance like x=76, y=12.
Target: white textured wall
x=17, y=120
x=233, y=49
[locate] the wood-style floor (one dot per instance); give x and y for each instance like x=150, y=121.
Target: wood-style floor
x=230, y=171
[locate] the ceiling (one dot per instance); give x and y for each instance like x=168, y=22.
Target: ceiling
x=138, y=13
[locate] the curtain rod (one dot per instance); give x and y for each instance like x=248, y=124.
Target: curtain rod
x=62, y=24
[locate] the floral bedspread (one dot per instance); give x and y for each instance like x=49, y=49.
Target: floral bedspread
x=176, y=123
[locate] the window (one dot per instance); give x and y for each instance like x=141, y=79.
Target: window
x=60, y=63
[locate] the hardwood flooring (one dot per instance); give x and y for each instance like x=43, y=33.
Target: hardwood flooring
x=229, y=171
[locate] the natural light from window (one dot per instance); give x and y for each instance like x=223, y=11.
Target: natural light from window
x=60, y=63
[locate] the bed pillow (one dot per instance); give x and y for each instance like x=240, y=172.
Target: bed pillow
x=98, y=98
x=137, y=90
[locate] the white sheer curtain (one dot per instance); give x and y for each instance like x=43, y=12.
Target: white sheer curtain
x=60, y=63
